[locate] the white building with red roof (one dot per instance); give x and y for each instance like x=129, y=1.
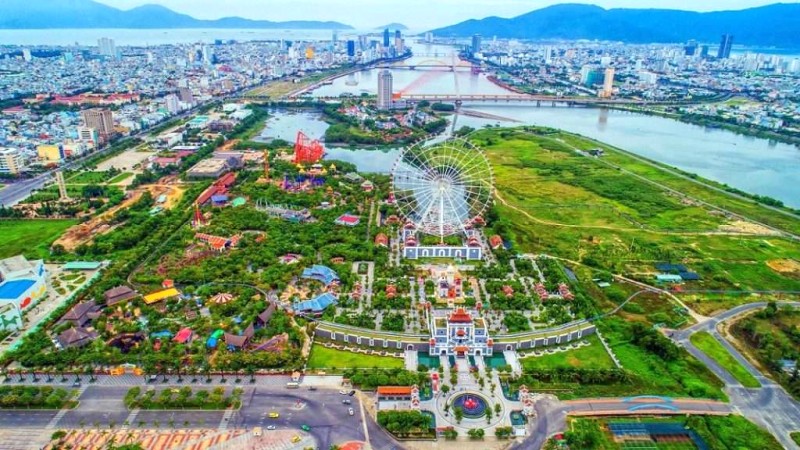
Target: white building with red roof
x=459, y=333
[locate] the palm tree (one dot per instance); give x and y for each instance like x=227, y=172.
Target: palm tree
x=252, y=373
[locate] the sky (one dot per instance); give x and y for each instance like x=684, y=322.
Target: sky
x=416, y=14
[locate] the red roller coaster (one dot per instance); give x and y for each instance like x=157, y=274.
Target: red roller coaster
x=307, y=151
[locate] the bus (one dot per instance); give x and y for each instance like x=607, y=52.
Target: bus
x=292, y=385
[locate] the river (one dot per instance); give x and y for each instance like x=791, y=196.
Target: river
x=751, y=164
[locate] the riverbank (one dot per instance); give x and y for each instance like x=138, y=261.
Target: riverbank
x=708, y=122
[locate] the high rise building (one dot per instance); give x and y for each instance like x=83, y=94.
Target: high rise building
x=208, y=55
x=101, y=120
x=725, y=45
x=476, y=44
x=351, y=48
x=11, y=161
x=106, y=47
x=185, y=94
x=386, y=38
x=429, y=37
x=548, y=54
x=172, y=103
x=690, y=49
x=398, y=42
x=608, y=82
x=591, y=76
x=385, y=90
x=703, y=51
x=26, y=55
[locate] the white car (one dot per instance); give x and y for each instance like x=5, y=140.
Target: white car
x=271, y=427
x=343, y=392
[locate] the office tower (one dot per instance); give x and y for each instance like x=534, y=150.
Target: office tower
x=690, y=49
x=11, y=161
x=101, y=120
x=476, y=43
x=428, y=37
x=351, y=48
x=26, y=55
x=703, y=51
x=725, y=45
x=398, y=42
x=185, y=94
x=608, y=82
x=106, y=47
x=362, y=42
x=335, y=38
x=386, y=38
x=385, y=90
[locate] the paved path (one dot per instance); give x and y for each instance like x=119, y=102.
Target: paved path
x=770, y=405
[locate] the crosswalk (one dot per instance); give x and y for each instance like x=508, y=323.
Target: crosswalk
x=226, y=418
x=61, y=413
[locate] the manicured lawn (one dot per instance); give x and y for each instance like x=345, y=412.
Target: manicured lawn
x=593, y=356
x=120, y=177
x=31, y=238
x=796, y=437
x=327, y=358
x=708, y=345
x=88, y=178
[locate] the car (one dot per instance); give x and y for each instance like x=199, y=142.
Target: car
x=76, y=383
x=350, y=411
x=352, y=393
x=343, y=392
x=305, y=427
x=296, y=439
x=346, y=401
x=312, y=388
x=272, y=427
x=274, y=415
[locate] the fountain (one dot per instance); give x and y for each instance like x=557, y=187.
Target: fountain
x=472, y=405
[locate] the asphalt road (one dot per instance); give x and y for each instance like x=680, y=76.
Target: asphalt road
x=770, y=405
x=322, y=410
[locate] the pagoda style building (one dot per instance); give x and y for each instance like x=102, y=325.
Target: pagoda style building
x=459, y=333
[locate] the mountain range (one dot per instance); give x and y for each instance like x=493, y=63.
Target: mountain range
x=771, y=25
x=48, y=14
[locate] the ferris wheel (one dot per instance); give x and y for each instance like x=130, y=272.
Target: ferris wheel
x=442, y=187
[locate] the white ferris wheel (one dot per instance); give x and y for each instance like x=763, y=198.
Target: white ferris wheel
x=442, y=187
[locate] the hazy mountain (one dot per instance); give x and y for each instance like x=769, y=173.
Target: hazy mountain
x=772, y=25
x=393, y=26
x=89, y=14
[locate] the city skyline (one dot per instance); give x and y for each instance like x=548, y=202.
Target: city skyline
x=366, y=14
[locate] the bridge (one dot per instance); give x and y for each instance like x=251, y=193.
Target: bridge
x=517, y=97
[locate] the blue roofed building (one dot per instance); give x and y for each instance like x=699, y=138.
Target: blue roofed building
x=316, y=305
x=22, y=283
x=323, y=274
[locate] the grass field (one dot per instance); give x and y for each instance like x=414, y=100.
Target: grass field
x=119, y=178
x=593, y=356
x=91, y=177
x=31, y=238
x=708, y=345
x=328, y=358
x=553, y=200
x=796, y=437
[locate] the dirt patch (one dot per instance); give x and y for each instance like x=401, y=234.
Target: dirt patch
x=785, y=266
x=84, y=233
x=744, y=227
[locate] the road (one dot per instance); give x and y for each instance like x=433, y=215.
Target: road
x=770, y=406
x=322, y=410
